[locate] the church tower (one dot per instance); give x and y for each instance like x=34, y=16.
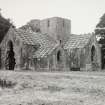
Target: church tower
x=56, y=27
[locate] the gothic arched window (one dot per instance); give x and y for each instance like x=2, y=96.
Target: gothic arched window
x=10, y=44
x=92, y=53
x=58, y=55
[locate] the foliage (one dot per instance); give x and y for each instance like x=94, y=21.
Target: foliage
x=4, y=26
x=100, y=29
x=101, y=24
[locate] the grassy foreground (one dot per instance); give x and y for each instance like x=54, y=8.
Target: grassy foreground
x=57, y=88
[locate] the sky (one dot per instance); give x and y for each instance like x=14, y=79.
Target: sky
x=84, y=14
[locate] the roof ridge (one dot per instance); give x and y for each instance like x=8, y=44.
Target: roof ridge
x=77, y=41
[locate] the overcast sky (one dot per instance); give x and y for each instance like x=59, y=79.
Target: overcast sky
x=84, y=14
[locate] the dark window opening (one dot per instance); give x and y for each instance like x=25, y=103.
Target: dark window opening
x=92, y=53
x=58, y=56
x=10, y=45
x=103, y=57
x=48, y=23
x=60, y=41
x=38, y=30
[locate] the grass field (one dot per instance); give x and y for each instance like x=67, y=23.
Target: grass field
x=53, y=88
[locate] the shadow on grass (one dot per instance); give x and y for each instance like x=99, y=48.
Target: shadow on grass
x=6, y=83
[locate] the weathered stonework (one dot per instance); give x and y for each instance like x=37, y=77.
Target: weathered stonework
x=66, y=55
x=23, y=52
x=58, y=28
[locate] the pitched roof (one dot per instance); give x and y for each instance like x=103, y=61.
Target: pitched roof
x=26, y=37
x=77, y=41
x=47, y=43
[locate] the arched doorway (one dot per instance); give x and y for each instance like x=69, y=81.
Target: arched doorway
x=60, y=60
x=59, y=56
x=10, y=60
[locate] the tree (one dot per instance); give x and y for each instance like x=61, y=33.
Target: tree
x=4, y=26
x=100, y=30
x=32, y=25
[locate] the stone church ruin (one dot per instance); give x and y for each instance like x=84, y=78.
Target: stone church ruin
x=49, y=45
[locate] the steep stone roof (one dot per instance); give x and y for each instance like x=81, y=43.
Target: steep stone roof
x=77, y=41
x=26, y=37
x=47, y=44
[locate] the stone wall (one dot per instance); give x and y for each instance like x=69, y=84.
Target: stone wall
x=86, y=55
x=82, y=57
x=58, y=28
x=23, y=52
